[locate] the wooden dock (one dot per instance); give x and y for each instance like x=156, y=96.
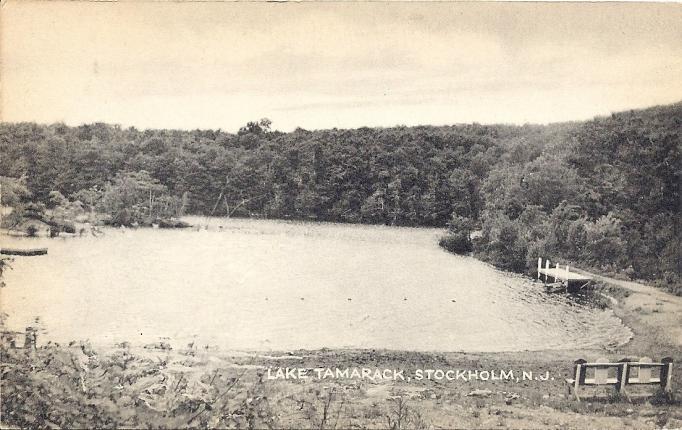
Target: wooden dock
x=23, y=252
x=571, y=280
x=563, y=275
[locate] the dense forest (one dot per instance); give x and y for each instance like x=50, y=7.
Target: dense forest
x=603, y=194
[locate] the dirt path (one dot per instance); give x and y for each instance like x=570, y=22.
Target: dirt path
x=650, y=311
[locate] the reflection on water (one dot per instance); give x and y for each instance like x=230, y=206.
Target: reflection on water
x=247, y=284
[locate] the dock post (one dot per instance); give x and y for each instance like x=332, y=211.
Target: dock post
x=30, y=338
x=539, y=266
x=546, y=268
x=567, y=273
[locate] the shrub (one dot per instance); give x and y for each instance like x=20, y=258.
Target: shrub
x=505, y=246
x=671, y=282
x=31, y=230
x=457, y=243
x=54, y=231
x=34, y=211
x=458, y=237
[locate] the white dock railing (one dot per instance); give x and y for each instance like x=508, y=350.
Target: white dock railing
x=560, y=275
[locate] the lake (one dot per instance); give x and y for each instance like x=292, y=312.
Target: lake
x=277, y=285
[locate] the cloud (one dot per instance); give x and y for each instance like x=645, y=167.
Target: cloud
x=320, y=65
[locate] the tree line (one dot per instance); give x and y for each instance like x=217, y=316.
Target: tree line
x=603, y=193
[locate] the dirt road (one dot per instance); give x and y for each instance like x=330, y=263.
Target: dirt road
x=658, y=313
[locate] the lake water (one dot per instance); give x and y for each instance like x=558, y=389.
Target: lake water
x=274, y=285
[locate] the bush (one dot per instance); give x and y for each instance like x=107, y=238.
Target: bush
x=31, y=230
x=539, y=248
x=456, y=243
x=503, y=244
x=672, y=282
x=604, y=242
x=458, y=237
x=34, y=211
x=170, y=223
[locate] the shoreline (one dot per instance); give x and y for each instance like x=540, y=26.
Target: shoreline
x=632, y=307
x=181, y=388
x=134, y=386
x=644, y=309
x=636, y=305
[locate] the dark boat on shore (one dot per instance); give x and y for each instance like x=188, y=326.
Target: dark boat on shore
x=555, y=287
x=23, y=252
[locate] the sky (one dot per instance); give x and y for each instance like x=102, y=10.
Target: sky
x=324, y=65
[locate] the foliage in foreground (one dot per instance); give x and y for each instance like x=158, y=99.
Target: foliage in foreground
x=76, y=388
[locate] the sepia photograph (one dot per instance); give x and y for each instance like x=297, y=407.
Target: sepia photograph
x=340, y=215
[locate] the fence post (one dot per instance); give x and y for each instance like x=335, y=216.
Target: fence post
x=666, y=374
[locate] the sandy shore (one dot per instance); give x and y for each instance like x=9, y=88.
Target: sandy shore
x=654, y=315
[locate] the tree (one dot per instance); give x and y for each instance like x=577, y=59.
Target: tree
x=14, y=190
x=256, y=127
x=135, y=197
x=604, y=243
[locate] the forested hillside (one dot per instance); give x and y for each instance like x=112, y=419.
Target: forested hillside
x=602, y=193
